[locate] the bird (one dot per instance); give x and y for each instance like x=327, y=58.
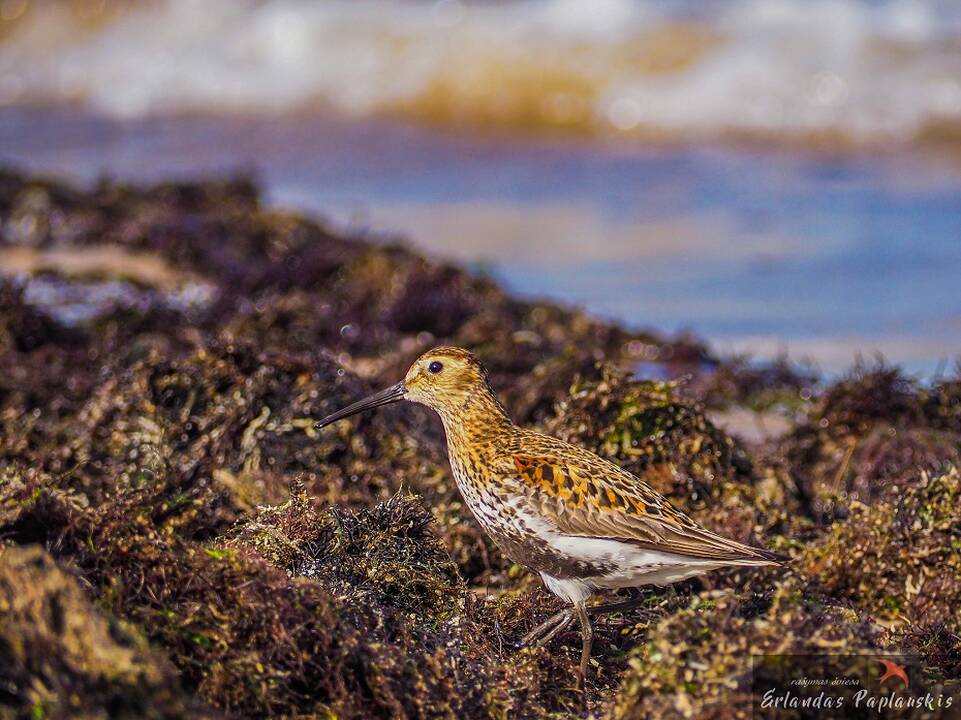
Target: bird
x=582, y=522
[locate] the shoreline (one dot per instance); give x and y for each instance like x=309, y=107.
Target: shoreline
x=161, y=482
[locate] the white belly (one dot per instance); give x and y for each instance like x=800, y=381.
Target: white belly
x=635, y=568
x=628, y=564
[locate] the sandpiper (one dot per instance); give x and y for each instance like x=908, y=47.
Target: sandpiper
x=579, y=520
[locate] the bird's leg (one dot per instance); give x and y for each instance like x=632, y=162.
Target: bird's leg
x=547, y=630
x=587, y=636
x=564, y=623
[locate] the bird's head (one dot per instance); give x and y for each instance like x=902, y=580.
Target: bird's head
x=443, y=379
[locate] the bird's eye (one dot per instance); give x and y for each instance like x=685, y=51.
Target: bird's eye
x=436, y=366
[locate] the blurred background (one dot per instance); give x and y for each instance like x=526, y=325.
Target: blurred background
x=779, y=176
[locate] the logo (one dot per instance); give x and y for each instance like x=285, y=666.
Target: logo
x=892, y=670
x=835, y=687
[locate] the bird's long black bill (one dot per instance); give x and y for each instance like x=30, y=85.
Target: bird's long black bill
x=385, y=397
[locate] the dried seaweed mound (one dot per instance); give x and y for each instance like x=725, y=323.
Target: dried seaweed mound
x=868, y=436
x=900, y=561
x=164, y=362
x=62, y=657
x=697, y=662
x=383, y=556
x=375, y=629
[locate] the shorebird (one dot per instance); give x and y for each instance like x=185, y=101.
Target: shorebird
x=582, y=522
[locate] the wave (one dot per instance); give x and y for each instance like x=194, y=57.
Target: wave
x=857, y=71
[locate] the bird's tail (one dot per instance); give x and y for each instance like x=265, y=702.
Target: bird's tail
x=700, y=544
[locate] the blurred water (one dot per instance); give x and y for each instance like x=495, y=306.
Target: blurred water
x=820, y=255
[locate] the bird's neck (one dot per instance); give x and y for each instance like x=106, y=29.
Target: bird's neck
x=478, y=430
x=475, y=420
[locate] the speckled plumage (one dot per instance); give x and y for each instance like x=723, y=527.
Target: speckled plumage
x=579, y=520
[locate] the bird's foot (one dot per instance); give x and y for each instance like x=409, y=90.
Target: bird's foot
x=547, y=630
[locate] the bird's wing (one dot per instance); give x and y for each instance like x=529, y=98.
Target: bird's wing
x=583, y=495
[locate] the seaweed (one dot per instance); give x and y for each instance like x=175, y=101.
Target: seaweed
x=218, y=555
x=697, y=662
x=900, y=561
x=294, y=611
x=386, y=555
x=63, y=657
x=868, y=436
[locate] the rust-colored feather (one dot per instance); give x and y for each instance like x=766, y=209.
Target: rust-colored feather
x=584, y=495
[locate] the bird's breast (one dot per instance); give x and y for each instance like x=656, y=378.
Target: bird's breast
x=480, y=495
x=524, y=537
